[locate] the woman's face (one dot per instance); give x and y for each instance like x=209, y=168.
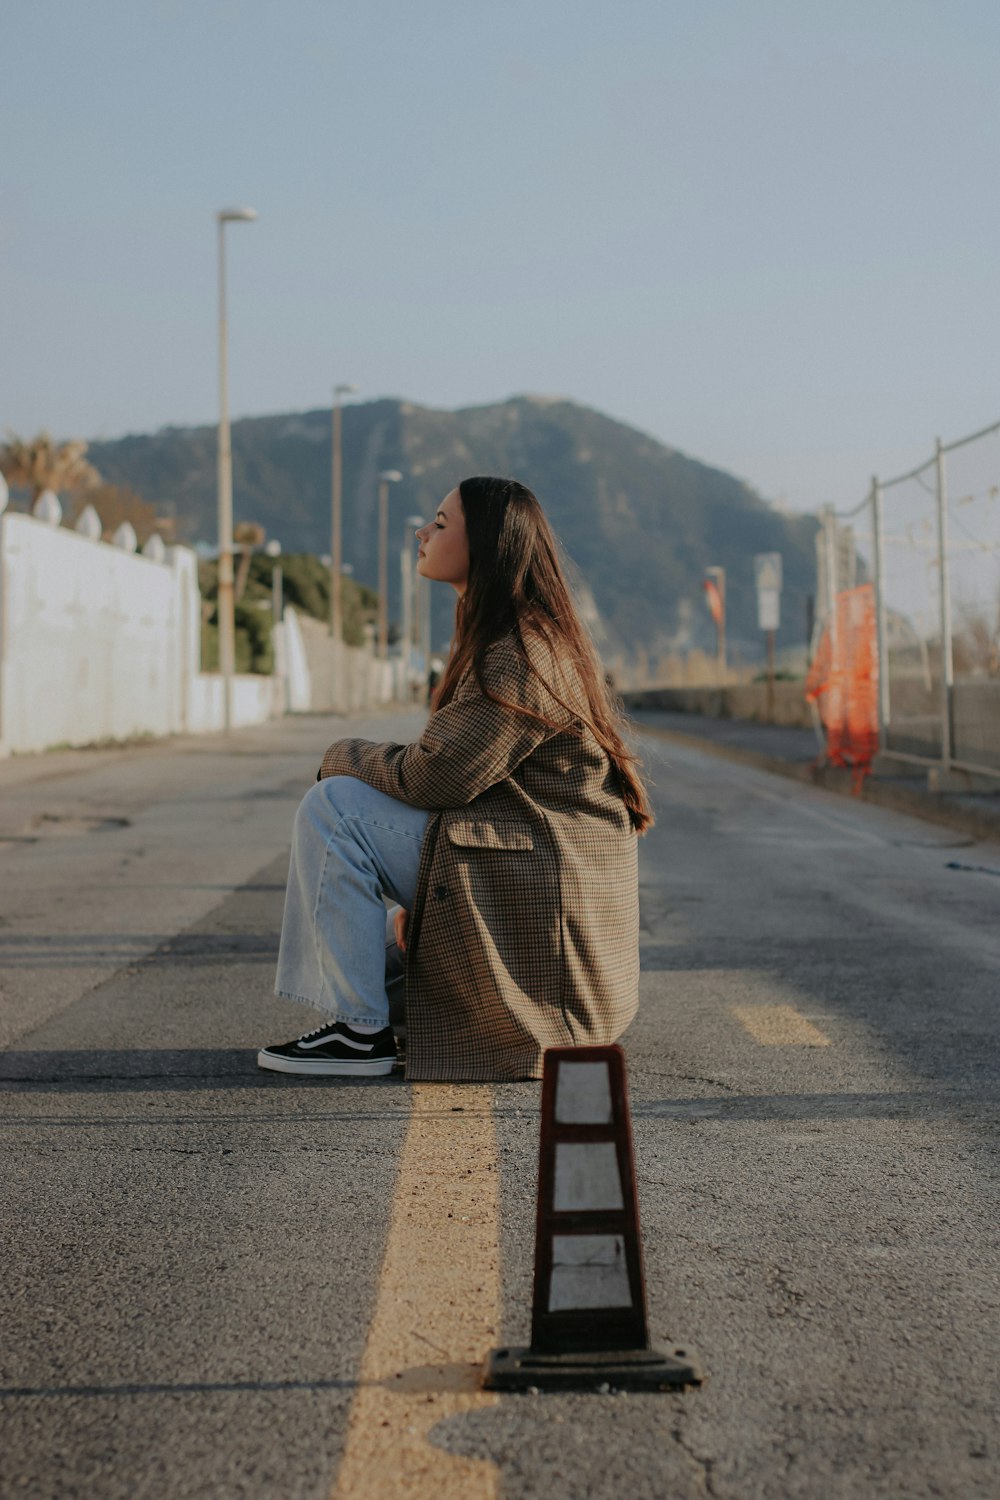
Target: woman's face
x=444, y=546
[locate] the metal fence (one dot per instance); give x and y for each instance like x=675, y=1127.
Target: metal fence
x=929, y=540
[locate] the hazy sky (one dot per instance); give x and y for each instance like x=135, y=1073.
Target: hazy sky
x=767, y=232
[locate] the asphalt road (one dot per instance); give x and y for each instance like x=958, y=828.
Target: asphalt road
x=216, y=1282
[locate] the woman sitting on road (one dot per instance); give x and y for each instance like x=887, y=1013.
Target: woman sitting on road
x=506, y=834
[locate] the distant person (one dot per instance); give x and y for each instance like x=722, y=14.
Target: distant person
x=506, y=835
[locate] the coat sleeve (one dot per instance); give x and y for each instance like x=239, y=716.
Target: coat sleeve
x=466, y=747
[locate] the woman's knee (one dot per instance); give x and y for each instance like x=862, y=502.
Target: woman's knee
x=330, y=800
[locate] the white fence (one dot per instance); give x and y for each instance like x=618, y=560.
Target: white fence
x=99, y=643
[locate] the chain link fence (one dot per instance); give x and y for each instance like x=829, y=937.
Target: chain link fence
x=929, y=541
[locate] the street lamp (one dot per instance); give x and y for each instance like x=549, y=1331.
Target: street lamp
x=273, y=550
x=387, y=477
x=336, y=524
x=227, y=629
x=408, y=579
x=279, y=646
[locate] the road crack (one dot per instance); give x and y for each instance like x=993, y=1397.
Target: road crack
x=702, y=1463
x=718, y=1083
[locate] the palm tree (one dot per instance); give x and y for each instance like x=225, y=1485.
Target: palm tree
x=42, y=464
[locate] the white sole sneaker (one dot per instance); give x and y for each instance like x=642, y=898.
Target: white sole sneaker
x=378, y=1067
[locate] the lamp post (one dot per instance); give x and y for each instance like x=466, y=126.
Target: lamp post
x=227, y=631
x=273, y=550
x=387, y=477
x=428, y=647
x=279, y=647
x=336, y=516
x=409, y=598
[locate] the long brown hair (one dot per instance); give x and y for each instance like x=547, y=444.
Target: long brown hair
x=516, y=585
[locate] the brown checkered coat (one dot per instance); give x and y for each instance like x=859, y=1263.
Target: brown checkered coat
x=524, y=931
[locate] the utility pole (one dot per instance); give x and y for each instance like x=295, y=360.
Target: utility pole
x=387, y=477
x=767, y=576
x=881, y=625
x=409, y=578
x=336, y=515
x=225, y=609
x=944, y=593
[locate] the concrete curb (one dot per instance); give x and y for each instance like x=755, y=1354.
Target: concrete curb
x=978, y=823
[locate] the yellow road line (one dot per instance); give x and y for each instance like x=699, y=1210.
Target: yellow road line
x=779, y=1026
x=437, y=1309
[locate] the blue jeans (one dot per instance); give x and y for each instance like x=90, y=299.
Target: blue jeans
x=351, y=846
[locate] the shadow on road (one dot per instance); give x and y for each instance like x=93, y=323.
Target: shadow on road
x=124, y=1070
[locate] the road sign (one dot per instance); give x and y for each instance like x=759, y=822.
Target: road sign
x=768, y=609
x=767, y=571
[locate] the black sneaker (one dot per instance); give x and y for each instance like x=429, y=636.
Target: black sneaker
x=334, y=1049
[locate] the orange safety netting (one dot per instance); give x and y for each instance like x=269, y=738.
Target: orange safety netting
x=843, y=683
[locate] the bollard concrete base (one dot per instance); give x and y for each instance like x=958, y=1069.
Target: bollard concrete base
x=608, y=1369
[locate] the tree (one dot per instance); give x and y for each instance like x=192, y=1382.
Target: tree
x=306, y=585
x=42, y=464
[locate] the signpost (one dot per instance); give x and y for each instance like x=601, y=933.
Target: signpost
x=767, y=573
x=714, y=584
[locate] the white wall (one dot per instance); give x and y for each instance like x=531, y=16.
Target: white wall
x=292, y=665
x=343, y=678
x=97, y=643
x=255, y=698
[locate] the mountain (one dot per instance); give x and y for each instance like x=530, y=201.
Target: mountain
x=639, y=521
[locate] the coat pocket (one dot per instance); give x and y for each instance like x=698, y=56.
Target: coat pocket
x=489, y=833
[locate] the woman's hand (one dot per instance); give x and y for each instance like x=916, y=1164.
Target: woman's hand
x=399, y=922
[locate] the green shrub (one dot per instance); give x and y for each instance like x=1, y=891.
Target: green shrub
x=254, y=647
x=305, y=586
